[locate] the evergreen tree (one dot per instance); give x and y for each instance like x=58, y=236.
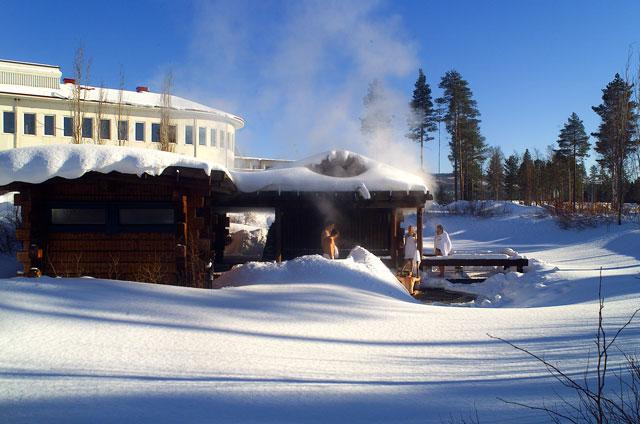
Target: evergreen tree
x=461, y=119
x=376, y=120
x=592, y=183
x=525, y=177
x=495, y=174
x=422, y=119
x=573, y=147
x=615, y=134
x=511, y=168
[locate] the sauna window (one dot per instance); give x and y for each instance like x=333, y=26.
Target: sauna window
x=66, y=216
x=146, y=216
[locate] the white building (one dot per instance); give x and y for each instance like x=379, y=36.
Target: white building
x=35, y=109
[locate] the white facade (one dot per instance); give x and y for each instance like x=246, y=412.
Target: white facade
x=35, y=109
x=252, y=163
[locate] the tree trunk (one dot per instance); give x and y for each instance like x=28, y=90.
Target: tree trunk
x=620, y=182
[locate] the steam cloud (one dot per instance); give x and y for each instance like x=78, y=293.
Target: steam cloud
x=303, y=87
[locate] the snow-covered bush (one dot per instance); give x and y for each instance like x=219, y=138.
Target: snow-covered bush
x=479, y=208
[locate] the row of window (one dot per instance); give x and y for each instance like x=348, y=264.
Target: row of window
x=124, y=216
x=223, y=139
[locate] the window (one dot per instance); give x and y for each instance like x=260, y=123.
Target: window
x=230, y=141
x=8, y=122
x=67, y=126
x=64, y=216
x=146, y=216
x=139, y=131
x=172, y=133
x=155, y=133
x=213, y=136
x=30, y=123
x=222, y=139
x=105, y=129
x=123, y=130
x=202, y=136
x=49, y=125
x=87, y=127
x=188, y=134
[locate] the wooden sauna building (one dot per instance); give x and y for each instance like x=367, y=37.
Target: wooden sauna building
x=154, y=229
x=170, y=225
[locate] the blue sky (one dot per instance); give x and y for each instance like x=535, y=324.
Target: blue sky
x=297, y=71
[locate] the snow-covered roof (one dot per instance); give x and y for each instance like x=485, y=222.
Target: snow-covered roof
x=337, y=170
x=111, y=95
x=41, y=163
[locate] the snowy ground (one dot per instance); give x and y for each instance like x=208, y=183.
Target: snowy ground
x=312, y=340
x=564, y=264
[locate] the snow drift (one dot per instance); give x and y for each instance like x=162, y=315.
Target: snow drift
x=361, y=270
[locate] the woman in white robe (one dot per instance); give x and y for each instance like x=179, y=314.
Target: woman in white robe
x=441, y=245
x=411, y=255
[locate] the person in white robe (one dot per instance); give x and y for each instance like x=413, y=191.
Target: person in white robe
x=411, y=254
x=441, y=245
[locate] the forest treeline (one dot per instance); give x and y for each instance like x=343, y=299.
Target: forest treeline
x=556, y=176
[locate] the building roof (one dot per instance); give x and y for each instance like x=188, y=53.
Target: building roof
x=335, y=171
x=38, y=164
x=20, y=62
x=95, y=94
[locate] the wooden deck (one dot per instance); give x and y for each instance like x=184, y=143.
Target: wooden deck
x=434, y=295
x=431, y=261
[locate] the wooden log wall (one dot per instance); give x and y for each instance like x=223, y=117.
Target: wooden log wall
x=174, y=257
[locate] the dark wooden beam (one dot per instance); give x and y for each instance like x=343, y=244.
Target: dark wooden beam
x=419, y=225
x=300, y=200
x=278, y=235
x=393, y=239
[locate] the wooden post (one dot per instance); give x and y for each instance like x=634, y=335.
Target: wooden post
x=278, y=235
x=419, y=224
x=393, y=239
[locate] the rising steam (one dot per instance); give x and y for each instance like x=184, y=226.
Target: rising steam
x=298, y=75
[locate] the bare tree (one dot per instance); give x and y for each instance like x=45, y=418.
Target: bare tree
x=167, y=136
x=100, y=112
x=121, y=131
x=77, y=101
x=593, y=404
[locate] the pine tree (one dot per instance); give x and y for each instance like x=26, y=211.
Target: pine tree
x=573, y=147
x=462, y=123
x=615, y=134
x=525, y=177
x=495, y=174
x=511, y=168
x=593, y=180
x=422, y=119
x=376, y=119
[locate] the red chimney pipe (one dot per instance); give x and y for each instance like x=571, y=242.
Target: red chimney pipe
x=142, y=89
x=68, y=80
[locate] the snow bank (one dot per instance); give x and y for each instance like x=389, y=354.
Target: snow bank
x=97, y=351
x=487, y=208
x=564, y=265
x=507, y=288
x=337, y=170
x=41, y=163
x=361, y=270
